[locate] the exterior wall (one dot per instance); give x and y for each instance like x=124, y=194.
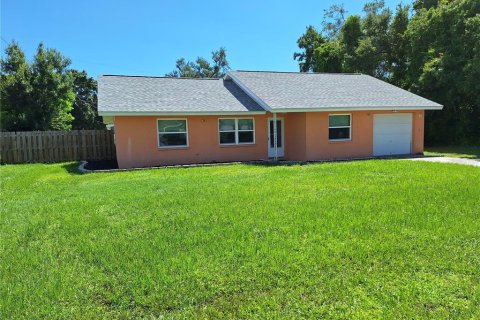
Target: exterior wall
x=137, y=143
x=295, y=136
x=306, y=138
x=316, y=146
x=418, y=131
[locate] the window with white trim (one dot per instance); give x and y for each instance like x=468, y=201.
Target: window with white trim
x=339, y=127
x=172, y=133
x=236, y=131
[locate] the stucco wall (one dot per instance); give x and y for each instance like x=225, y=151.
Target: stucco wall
x=313, y=126
x=295, y=136
x=137, y=143
x=306, y=138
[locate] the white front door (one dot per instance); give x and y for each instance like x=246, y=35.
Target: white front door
x=392, y=134
x=271, y=138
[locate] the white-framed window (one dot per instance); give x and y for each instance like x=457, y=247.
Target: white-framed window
x=172, y=133
x=234, y=131
x=339, y=127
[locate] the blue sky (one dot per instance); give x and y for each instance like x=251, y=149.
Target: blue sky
x=146, y=37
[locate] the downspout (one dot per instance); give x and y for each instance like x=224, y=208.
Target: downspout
x=275, y=142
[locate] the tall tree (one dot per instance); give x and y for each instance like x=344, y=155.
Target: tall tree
x=397, y=56
x=85, y=105
x=15, y=89
x=333, y=20
x=329, y=57
x=202, y=68
x=445, y=68
x=52, y=94
x=375, y=27
x=308, y=42
x=350, y=37
x=44, y=94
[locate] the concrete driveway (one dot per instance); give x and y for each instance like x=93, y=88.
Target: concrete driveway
x=468, y=162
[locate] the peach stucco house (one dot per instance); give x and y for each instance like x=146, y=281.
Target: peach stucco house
x=251, y=115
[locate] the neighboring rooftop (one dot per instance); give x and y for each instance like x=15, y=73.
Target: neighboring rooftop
x=119, y=94
x=299, y=90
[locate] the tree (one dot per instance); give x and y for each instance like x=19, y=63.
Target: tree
x=425, y=4
x=435, y=53
x=85, y=105
x=445, y=68
x=375, y=27
x=45, y=94
x=351, y=33
x=333, y=20
x=201, y=68
x=310, y=40
x=15, y=89
x=350, y=36
x=398, y=55
x=36, y=96
x=52, y=94
x=328, y=57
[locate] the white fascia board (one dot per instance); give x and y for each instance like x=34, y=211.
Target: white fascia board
x=248, y=91
x=151, y=113
x=333, y=109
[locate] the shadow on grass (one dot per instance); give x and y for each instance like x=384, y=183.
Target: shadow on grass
x=267, y=163
x=72, y=167
x=111, y=165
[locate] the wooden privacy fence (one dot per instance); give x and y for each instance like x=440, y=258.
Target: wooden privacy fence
x=56, y=146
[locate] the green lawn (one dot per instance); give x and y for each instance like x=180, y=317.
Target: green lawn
x=471, y=152
x=368, y=239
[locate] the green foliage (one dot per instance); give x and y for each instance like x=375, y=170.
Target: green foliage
x=328, y=57
x=201, y=68
x=85, y=105
x=365, y=58
x=435, y=53
x=52, y=95
x=351, y=33
x=445, y=66
x=425, y=4
x=15, y=89
x=308, y=42
x=45, y=94
x=389, y=239
x=397, y=56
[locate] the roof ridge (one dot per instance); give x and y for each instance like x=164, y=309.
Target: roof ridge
x=299, y=72
x=155, y=77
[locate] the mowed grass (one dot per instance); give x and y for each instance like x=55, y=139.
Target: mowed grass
x=469, y=152
x=368, y=239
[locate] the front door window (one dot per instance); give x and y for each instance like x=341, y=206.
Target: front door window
x=279, y=152
x=279, y=134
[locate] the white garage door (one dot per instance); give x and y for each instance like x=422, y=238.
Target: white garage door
x=392, y=134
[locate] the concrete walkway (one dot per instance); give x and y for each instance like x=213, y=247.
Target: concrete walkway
x=468, y=162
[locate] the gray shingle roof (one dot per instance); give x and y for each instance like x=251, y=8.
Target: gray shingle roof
x=137, y=95
x=279, y=91
x=293, y=90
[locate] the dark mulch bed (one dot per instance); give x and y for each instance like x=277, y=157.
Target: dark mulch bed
x=101, y=165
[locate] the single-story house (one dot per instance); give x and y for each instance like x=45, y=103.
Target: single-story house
x=253, y=115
